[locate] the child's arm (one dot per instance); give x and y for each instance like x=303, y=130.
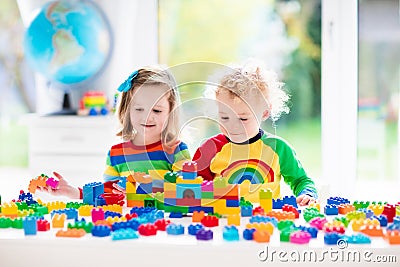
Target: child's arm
x=181, y=155
x=203, y=156
x=294, y=174
x=64, y=188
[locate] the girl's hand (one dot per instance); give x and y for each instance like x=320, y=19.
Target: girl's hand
x=303, y=200
x=63, y=188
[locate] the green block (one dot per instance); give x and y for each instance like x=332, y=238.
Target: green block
x=207, y=195
x=219, y=216
x=265, y=194
x=285, y=224
x=159, y=204
x=176, y=209
x=5, y=222
x=344, y=220
x=74, y=205
x=22, y=205
x=41, y=209
x=81, y=225
x=170, y=177
x=285, y=235
x=17, y=223
x=149, y=202
x=220, y=182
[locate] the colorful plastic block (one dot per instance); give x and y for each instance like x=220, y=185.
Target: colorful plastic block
x=300, y=237
x=258, y=211
x=162, y=224
x=337, y=200
x=71, y=233
x=30, y=226
x=246, y=211
x=313, y=231
x=124, y=234
x=290, y=208
x=233, y=219
x=58, y=220
x=264, y=227
x=43, y=225
x=371, y=230
x=382, y=220
x=331, y=209
x=91, y=191
x=345, y=208
x=230, y=233
x=318, y=222
x=357, y=239
x=101, y=231
x=5, y=222
x=389, y=211
x=147, y=229
x=194, y=228
x=248, y=234
x=175, y=229
x=197, y=216
x=393, y=237
x=204, y=235
x=210, y=221
x=52, y=183
x=97, y=215
x=285, y=224
x=332, y=238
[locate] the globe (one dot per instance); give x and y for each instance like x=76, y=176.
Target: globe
x=68, y=42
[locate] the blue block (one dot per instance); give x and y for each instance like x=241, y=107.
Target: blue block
x=101, y=231
x=382, y=220
x=196, y=188
x=230, y=233
x=331, y=209
x=131, y=224
x=337, y=200
x=142, y=210
x=248, y=234
x=396, y=220
x=92, y=190
x=176, y=215
x=393, y=226
x=368, y=213
x=194, y=228
x=71, y=213
x=277, y=203
x=232, y=203
x=263, y=219
x=123, y=234
x=158, y=183
x=175, y=229
x=332, y=238
x=30, y=226
x=122, y=182
x=290, y=200
x=205, y=209
x=189, y=175
x=357, y=239
x=246, y=211
x=99, y=201
x=112, y=214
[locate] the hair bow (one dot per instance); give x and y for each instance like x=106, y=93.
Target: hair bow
x=127, y=84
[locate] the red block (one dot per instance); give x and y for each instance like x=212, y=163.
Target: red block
x=162, y=224
x=209, y=221
x=389, y=211
x=130, y=216
x=189, y=166
x=290, y=208
x=43, y=225
x=112, y=198
x=258, y=211
x=147, y=229
x=191, y=202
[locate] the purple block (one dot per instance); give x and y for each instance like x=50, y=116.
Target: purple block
x=207, y=186
x=53, y=183
x=204, y=234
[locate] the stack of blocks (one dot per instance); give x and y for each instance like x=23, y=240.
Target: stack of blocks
x=138, y=187
x=266, y=199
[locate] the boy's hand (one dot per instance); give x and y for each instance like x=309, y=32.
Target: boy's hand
x=303, y=200
x=117, y=189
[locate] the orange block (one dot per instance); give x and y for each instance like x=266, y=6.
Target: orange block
x=282, y=215
x=135, y=203
x=197, y=216
x=393, y=237
x=169, y=194
x=58, y=220
x=230, y=190
x=103, y=222
x=71, y=233
x=371, y=230
x=261, y=236
x=263, y=227
x=346, y=208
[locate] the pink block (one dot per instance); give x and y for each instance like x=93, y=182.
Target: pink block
x=318, y=222
x=53, y=183
x=207, y=186
x=300, y=237
x=97, y=215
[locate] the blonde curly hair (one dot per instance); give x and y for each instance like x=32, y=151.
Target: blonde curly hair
x=252, y=80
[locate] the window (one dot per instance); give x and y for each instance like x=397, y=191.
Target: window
x=286, y=35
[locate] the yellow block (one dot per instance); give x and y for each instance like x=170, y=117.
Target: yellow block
x=266, y=204
x=197, y=180
x=169, y=187
x=227, y=210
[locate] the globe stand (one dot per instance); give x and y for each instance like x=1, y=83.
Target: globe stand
x=66, y=107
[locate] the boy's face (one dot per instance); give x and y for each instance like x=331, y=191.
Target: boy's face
x=239, y=118
x=149, y=112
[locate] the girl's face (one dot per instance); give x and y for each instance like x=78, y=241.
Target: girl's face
x=149, y=113
x=239, y=119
